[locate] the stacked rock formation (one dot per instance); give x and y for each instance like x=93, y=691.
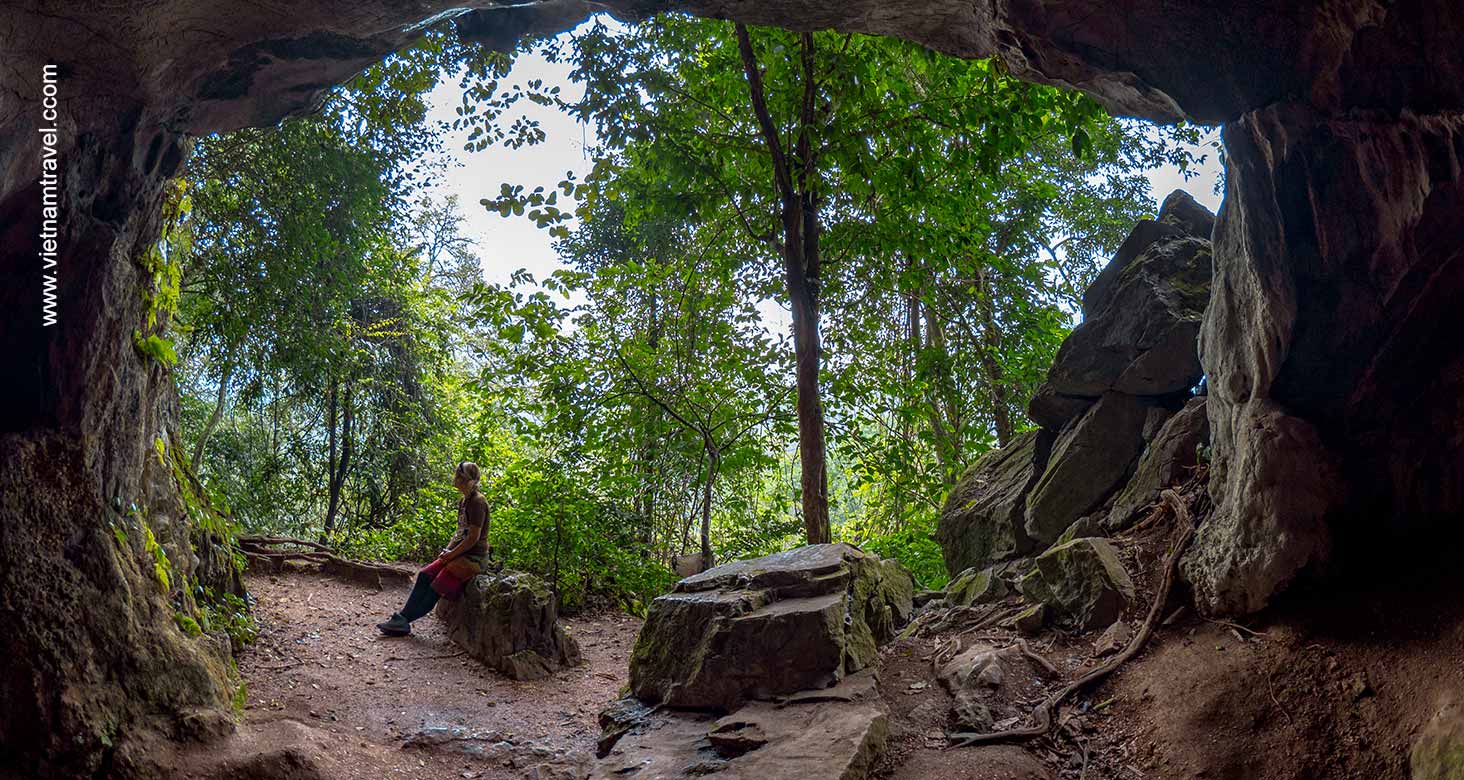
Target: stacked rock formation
x=1119, y=422
x=768, y=664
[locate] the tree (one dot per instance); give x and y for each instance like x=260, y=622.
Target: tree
x=805, y=159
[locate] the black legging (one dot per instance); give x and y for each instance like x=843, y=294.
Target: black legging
x=422, y=600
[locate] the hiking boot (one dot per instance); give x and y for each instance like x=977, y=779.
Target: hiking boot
x=396, y=626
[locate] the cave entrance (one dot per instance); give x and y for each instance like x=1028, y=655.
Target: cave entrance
x=1336, y=262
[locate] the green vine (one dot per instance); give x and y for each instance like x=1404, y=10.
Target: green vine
x=163, y=262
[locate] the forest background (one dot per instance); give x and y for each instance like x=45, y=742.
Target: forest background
x=803, y=282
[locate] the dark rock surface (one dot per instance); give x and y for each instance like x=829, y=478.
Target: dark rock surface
x=983, y=520
x=768, y=626
x=1082, y=583
x=1165, y=462
x=1331, y=349
x=1142, y=314
x=510, y=622
x=1089, y=461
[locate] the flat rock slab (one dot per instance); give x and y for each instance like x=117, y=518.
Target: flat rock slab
x=1090, y=460
x=769, y=626
x=836, y=733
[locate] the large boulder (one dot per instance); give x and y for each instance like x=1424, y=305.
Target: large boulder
x=983, y=519
x=1140, y=337
x=1082, y=583
x=1273, y=495
x=1141, y=317
x=1165, y=462
x=773, y=625
x=510, y=622
x=1089, y=461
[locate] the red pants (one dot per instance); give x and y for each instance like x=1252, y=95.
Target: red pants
x=450, y=577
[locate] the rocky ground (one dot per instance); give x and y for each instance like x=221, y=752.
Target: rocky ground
x=329, y=697
x=1329, y=684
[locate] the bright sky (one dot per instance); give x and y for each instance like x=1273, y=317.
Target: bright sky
x=505, y=245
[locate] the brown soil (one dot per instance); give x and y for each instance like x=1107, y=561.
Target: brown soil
x=326, y=690
x=1324, y=686
x=1336, y=686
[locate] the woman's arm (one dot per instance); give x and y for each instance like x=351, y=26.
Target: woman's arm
x=469, y=539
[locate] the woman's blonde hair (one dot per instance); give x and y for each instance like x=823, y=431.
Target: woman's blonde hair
x=469, y=470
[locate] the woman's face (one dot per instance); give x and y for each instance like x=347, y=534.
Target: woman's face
x=460, y=481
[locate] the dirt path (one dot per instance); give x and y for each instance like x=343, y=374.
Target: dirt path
x=324, y=685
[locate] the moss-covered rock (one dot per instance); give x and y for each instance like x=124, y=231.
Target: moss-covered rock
x=983, y=519
x=976, y=587
x=1090, y=461
x=768, y=626
x=1082, y=583
x=1438, y=752
x=510, y=622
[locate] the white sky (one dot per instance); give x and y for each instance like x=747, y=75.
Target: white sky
x=506, y=244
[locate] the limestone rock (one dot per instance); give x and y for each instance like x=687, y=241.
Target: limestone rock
x=836, y=733
x=1088, y=462
x=1029, y=621
x=1142, y=316
x=1181, y=210
x=1113, y=639
x=986, y=684
x=1438, y=750
x=510, y=622
x=976, y=587
x=1336, y=305
x=1082, y=583
x=1263, y=534
x=982, y=521
x=1165, y=462
x=794, y=620
x=1052, y=410
x=1081, y=528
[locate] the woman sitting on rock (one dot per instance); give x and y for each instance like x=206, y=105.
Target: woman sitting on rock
x=460, y=562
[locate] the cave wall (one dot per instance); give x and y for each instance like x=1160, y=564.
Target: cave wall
x=1329, y=342
x=1332, y=345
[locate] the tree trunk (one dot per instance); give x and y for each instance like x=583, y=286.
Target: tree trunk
x=714, y=461
x=1001, y=414
x=801, y=270
x=213, y=419
x=338, y=469
x=806, y=348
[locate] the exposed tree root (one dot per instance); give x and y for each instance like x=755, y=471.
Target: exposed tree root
x=1043, y=715
x=1034, y=657
x=258, y=550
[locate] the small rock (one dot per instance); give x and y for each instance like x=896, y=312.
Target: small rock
x=1114, y=639
x=1028, y=621
x=1359, y=686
